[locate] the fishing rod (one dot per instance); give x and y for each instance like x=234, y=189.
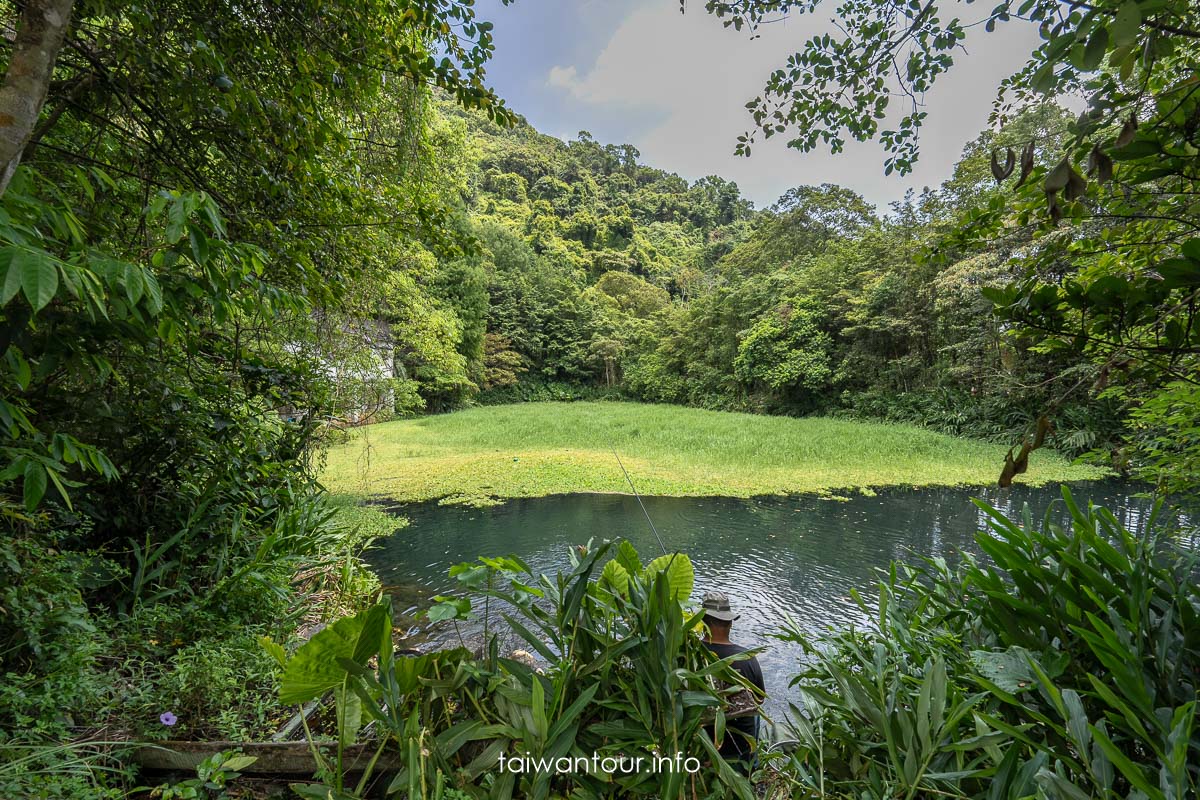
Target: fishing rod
x=785, y=746
x=629, y=480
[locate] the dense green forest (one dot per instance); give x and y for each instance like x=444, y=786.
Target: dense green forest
x=594, y=275
x=228, y=231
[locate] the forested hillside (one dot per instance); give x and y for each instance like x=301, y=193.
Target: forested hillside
x=593, y=274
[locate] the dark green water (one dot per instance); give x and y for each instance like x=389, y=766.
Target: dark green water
x=774, y=556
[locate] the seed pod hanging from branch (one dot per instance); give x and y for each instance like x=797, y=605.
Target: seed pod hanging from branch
x=1100, y=165
x=1026, y=164
x=1052, y=206
x=1128, y=131
x=1010, y=161
x=1076, y=186
x=1064, y=178
x=1058, y=177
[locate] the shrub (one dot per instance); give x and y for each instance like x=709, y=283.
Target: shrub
x=1079, y=428
x=535, y=391
x=87, y=771
x=220, y=689
x=1066, y=667
x=48, y=639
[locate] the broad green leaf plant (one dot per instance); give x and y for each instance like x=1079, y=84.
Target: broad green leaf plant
x=620, y=669
x=1064, y=666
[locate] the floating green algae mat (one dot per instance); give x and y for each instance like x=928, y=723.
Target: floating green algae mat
x=537, y=449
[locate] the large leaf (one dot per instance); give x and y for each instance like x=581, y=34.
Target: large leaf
x=615, y=577
x=153, y=297
x=176, y=220
x=349, y=715
x=1125, y=27
x=37, y=274
x=314, y=669
x=35, y=485
x=237, y=763
x=1008, y=669
x=11, y=283
x=627, y=557
x=274, y=649
x=448, y=608
x=1093, y=52
x=681, y=576
x=1191, y=249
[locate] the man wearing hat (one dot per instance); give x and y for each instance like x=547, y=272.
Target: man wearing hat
x=741, y=727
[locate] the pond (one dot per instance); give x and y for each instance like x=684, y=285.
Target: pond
x=776, y=557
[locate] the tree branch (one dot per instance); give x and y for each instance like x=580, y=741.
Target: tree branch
x=1158, y=26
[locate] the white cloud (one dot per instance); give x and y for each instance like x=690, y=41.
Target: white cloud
x=692, y=78
x=564, y=78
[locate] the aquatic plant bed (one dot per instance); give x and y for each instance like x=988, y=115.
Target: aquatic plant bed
x=539, y=449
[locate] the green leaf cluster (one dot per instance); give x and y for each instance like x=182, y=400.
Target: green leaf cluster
x=1064, y=666
x=619, y=669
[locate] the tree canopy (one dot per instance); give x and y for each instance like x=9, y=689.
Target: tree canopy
x=1098, y=212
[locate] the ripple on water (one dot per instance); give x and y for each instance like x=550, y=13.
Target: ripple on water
x=778, y=558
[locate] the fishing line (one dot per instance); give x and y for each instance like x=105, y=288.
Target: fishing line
x=629, y=480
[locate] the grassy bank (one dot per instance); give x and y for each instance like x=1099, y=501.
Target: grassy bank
x=537, y=449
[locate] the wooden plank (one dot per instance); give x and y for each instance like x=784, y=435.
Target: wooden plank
x=274, y=758
x=285, y=733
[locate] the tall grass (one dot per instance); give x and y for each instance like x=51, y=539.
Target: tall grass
x=536, y=449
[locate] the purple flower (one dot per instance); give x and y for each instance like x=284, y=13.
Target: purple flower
x=167, y=718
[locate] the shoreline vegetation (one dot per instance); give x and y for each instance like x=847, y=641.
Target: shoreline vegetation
x=537, y=449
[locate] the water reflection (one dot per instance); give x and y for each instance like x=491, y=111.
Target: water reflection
x=775, y=557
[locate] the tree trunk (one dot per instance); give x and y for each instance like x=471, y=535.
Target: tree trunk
x=40, y=32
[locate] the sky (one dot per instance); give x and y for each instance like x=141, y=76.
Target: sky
x=675, y=87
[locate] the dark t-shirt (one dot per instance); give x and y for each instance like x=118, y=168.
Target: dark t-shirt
x=740, y=730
